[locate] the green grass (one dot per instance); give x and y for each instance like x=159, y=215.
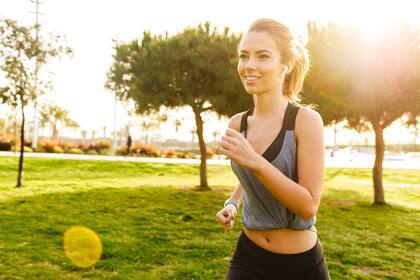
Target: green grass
x=154, y=225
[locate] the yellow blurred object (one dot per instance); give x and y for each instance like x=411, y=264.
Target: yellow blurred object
x=82, y=246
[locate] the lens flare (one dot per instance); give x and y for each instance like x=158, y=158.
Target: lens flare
x=82, y=246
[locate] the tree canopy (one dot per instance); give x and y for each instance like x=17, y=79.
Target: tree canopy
x=196, y=67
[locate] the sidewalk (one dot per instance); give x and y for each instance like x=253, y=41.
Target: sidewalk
x=341, y=159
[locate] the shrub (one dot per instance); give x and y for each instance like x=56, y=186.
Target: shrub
x=121, y=151
x=84, y=147
x=5, y=145
x=100, y=145
x=210, y=153
x=66, y=146
x=28, y=143
x=92, y=152
x=57, y=150
x=181, y=154
x=144, y=150
x=105, y=152
x=170, y=153
x=49, y=146
x=27, y=149
x=74, y=151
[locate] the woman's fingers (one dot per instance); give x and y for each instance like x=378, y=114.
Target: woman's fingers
x=226, y=217
x=227, y=145
x=229, y=226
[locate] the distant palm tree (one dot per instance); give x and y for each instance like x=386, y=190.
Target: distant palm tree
x=152, y=121
x=177, y=123
x=53, y=115
x=193, y=132
x=84, y=134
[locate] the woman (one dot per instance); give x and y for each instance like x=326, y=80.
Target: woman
x=277, y=152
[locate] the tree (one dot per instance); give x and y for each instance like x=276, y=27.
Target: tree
x=83, y=132
x=177, y=124
x=413, y=120
x=55, y=116
x=195, y=68
x=22, y=54
x=364, y=80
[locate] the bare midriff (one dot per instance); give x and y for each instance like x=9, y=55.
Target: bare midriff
x=283, y=241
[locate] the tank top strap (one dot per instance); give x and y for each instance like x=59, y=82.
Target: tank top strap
x=244, y=118
x=290, y=117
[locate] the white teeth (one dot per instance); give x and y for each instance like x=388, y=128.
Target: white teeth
x=251, y=78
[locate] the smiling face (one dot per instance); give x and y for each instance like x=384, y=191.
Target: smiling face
x=259, y=63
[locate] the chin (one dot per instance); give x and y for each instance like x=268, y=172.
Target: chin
x=252, y=91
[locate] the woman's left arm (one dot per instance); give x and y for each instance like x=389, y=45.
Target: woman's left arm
x=302, y=198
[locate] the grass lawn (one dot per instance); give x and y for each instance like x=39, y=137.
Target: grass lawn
x=154, y=225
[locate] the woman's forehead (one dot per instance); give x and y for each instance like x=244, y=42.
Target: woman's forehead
x=257, y=41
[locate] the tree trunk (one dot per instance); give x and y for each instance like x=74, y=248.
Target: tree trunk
x=203, y=151
x=22, y=144
x=377, y=168
x=54, y=135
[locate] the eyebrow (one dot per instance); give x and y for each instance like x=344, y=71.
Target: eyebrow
x=260, y=51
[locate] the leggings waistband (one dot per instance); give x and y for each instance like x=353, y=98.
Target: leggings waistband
x=315, y=254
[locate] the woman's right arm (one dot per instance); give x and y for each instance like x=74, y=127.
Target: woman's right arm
x=237, y=193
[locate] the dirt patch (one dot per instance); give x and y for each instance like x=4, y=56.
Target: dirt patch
x=339, y=202
x=365, y=270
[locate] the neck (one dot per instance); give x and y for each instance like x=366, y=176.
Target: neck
x=269, y=104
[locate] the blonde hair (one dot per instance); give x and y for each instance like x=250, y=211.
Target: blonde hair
x=292, y=52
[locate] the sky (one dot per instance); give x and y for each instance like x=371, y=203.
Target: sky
x=91, y=26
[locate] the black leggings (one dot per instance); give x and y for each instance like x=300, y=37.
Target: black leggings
x=252, y=262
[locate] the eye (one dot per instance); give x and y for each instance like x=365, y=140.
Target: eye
x=242, y=57
x=264, y=57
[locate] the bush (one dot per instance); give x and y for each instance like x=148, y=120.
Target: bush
x=210, y=153
x=5, y=145
x=184, y=154
x=66, y=146
x=84, y=147
x=144, y=150
x=181, y=154
x=169, y=153
x=28, y=143
x=27, y=149
x=92, y=152
x=100, y=145
x=49, y=146
x=105, y=152
x=74, y=151
x=121, y=151
x=57, y=150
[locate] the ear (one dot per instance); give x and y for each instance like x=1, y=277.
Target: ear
x=285, y=70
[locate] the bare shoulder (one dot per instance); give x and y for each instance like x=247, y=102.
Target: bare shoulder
x=235, y=121
x=308, y=122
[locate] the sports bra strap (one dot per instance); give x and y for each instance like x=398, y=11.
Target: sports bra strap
x=289, y=122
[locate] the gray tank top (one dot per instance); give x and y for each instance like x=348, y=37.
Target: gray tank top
x=261, y=211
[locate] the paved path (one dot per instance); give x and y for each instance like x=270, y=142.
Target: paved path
x=341, y=159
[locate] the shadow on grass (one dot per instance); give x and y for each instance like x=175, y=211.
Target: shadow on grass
x=161, y=233
x=168, y=233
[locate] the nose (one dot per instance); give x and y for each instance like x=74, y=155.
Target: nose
x=251, y=63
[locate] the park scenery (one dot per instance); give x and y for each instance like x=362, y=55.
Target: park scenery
x=125, y=183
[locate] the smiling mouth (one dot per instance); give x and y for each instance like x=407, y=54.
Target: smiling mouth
x=250, y=78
